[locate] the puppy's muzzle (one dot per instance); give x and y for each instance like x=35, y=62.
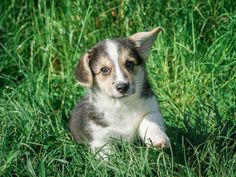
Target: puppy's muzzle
x=122, y=87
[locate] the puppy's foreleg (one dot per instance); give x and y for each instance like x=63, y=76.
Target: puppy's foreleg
x=101, y=148
x=152, y=131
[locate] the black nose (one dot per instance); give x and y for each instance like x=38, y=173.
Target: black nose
x=122, y=87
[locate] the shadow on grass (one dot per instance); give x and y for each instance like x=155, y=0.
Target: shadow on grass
x=204, y=132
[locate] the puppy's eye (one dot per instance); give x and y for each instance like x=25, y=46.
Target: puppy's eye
x=129, y=65
x=105, y=70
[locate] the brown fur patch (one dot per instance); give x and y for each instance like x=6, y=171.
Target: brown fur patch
x=83, y=71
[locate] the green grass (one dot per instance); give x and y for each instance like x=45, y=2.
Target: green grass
x=192, y=68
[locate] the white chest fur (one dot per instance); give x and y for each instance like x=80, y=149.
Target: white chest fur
x=123, y=116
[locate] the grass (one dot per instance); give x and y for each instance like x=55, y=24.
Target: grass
x=192, y=68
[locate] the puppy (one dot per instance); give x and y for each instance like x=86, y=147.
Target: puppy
x=120, y=102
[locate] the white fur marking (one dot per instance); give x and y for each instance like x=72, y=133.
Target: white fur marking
x=127, y=116
x=113, y=52
x=151, y=130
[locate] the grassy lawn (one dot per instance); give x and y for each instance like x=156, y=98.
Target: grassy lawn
x=192, y=69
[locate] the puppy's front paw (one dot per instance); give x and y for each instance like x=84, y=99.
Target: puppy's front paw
x=158, y=141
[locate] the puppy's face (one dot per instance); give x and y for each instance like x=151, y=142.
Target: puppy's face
x=116, y=67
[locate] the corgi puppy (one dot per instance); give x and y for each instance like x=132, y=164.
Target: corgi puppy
x=119, y=102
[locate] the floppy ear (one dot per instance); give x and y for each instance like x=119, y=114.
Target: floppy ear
x=83, y=71
x=145, y=40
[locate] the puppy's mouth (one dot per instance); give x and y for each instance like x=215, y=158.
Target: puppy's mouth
x=127, y=94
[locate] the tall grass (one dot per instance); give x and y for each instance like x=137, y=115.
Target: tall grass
x=192, y=69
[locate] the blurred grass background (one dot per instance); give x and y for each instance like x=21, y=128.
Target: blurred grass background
x=192, y=68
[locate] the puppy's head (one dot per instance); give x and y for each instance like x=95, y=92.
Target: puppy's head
x=116, y=66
